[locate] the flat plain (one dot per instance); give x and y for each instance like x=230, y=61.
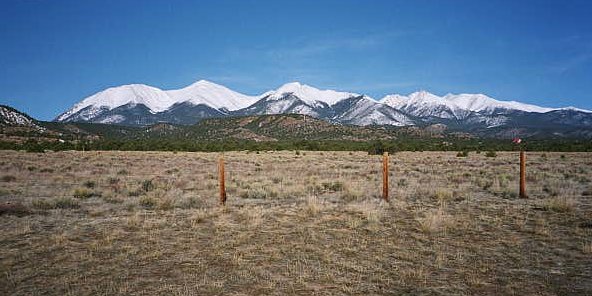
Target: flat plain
x=296, y=222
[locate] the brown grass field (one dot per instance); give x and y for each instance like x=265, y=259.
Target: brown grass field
x=307, y=223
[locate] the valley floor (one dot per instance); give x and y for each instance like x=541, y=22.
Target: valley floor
x=307, y=223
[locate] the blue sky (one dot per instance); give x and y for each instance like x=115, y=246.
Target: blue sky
x=55, y=53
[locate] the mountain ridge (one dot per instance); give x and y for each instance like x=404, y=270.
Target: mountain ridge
x=139, y=104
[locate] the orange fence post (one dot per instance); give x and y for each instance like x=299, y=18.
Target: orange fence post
x=221, y=180
x=385, y=176
x=522, y=174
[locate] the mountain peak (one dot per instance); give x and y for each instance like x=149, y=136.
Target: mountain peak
x=481, y=102
x=204, y=82
x=292, y=97
x=424, y=95
x=154, y=98
x=211, y=94
x=309, y=94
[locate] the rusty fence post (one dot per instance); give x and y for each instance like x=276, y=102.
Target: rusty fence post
x=385, y=176
x=522, y=174
x=221, y=179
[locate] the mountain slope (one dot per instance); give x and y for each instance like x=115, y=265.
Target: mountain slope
x=12, y=117
x=362, y=110
x=152, y=98
x=138, y=104
x=308, y=94
x=142, y=105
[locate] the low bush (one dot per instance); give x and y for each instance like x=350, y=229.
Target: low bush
x=42, y=204
x=83, y=193
x=8, y=178
x=333, y=186
x=462, y=154
x=148, y=185
x=490, y=153
x=15, y=209
x=66, y=203
x=148, y=202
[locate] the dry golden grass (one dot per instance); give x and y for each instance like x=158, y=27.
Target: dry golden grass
x=121, y=223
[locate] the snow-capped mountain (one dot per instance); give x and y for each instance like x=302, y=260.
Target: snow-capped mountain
x=308, y=94
x=480, y=103
x=425, y=101
x=213, y=95
x=424, y=105
x=363, y=110
x=131, y=95
x=138, y=104
x=335, y=106
x=148, y=104
x=469, y=110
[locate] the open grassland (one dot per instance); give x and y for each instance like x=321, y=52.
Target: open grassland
x=133, y=223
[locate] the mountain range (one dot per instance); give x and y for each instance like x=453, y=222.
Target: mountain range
x=143, y=105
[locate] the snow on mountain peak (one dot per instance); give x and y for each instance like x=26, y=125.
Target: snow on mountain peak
x=157, y=100
x=421, y=99
x=113, y=97
x=213, y=95
x=424, y=95
x=309, y=94
x=419, y=104
x=467, y=102
x=481, y=102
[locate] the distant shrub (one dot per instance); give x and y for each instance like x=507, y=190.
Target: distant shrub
x=8, y=178
x=443, y=195
x=148, y=185
x=148, y=202
x=66, y=203
x=254, y=194
x=112, y=199
x=172, y=171
x=15, y=209
x=190, y=203
x=402, y=182
x=560, y=204
x=333, y=186
x=136, y=192
x=490, y=153
x=462, y=153
x=351, y=195
x=508, y=194
x=42, y=204
x=123, y=172
x=83, y=193
x=35, y=149
x=90, y=184
x=166, y=204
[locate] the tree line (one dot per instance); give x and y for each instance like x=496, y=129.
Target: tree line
x=372, y=147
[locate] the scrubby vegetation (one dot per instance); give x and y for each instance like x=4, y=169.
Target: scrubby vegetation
x=131, y=223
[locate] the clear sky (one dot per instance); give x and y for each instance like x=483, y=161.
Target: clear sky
x=54, y=53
